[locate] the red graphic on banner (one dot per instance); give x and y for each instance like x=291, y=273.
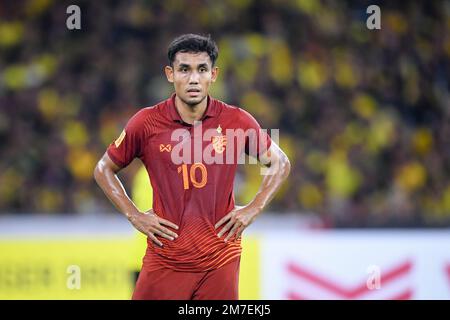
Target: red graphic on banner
x=448, y=272
x=329, y=285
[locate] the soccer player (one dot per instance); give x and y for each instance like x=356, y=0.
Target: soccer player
x=194, y=227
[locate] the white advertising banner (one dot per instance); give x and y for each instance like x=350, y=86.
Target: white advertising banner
x=362, y=264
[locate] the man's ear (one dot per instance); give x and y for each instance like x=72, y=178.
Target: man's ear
x=169, y=73
x=214, y=73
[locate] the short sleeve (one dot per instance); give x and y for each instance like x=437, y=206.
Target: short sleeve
x=257, y=140
x=129, y=144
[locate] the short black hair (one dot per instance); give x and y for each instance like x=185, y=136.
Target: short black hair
x=193, y=43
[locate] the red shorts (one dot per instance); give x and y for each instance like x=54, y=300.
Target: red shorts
x=167, y=284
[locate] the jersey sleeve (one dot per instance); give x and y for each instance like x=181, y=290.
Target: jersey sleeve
x=129, y=144
x=257, y=140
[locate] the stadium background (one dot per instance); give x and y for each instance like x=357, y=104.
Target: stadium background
x=364, y=116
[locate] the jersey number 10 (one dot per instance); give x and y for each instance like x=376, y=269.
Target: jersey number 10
x=183, y=169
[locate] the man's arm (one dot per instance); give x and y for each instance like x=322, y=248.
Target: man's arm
x=105, y=174
x=278, y=170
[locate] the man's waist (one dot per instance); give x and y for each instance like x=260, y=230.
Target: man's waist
x=214, y=259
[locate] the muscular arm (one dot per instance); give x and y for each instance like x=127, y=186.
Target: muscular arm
x=278, y=168
x=105, y=175
x=150, y=223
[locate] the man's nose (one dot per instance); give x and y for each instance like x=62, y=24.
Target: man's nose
x=194, y=78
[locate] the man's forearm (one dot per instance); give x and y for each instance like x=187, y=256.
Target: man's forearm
x=271, y=183
x=114, y=190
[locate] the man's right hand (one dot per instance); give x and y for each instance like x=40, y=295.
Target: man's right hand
x=150, y=224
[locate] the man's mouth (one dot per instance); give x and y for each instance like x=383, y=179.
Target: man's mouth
x=193, y=92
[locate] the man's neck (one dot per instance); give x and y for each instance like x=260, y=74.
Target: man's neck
x=190, y=113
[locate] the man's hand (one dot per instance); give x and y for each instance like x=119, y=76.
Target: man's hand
x=238, y=219
x=151, y=225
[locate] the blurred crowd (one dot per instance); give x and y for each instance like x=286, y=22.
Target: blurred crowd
x=364, y=115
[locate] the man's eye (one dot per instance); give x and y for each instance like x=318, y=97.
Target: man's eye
x=183, y=70
x=202, y=69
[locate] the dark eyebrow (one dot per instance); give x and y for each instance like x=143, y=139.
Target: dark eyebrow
x=185, y=65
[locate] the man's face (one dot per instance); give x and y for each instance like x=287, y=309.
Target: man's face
x=191, y=74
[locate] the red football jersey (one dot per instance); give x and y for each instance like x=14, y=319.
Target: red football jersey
x=192, y=175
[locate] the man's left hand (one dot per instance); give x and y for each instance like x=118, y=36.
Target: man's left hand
x=237, y=220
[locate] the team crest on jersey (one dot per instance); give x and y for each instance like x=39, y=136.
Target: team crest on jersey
x=120, y=139
x=219, y=142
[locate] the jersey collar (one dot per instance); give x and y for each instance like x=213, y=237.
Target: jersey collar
x=211, y=109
